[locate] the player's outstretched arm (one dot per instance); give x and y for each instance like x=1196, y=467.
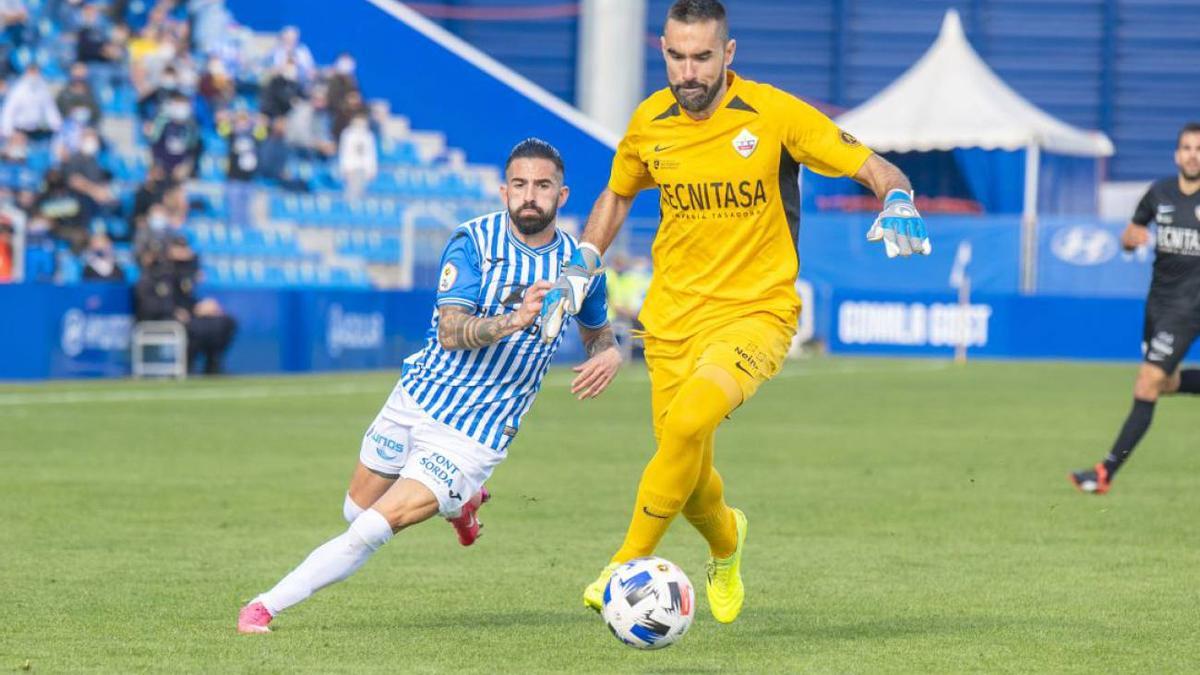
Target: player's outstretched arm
x=899, y=226
x=605, y=220
x=604, y=360
x=459, y=328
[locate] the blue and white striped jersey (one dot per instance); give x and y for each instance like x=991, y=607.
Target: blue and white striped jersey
x=485, y=392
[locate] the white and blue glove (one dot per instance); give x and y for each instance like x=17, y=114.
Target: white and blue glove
x=567, y=294
x=900, y=227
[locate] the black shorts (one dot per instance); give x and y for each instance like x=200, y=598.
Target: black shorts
x=1168, y=335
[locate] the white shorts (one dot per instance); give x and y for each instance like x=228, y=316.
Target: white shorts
x=405, y=441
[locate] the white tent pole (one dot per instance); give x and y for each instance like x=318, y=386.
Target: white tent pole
x=1029, y=224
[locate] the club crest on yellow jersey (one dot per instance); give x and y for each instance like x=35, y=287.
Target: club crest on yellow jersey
x=745, y=143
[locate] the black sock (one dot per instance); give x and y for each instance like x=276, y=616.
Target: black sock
x=1135, y=427
x=1189, y=381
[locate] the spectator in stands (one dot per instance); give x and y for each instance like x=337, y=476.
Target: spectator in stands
x=94, y=42
x=175, y=200
x=345, y=111
x=358, y=158
x=148, y=194
x=242, y=133
x=29, y=107
x=59, y=211
x=342, y=80
x=15, y=19
x=210, y=19
x=289, y=49
x=156, y=96
x=67, y=139
x=175, y=139
x=281, y=92
x=217, y=86
x=88, y=179
x=78, y=94
x=153, y=230
x=15, y=150
x=100, y=261
x=166, y=291
x=275, y=159
x=310, y=127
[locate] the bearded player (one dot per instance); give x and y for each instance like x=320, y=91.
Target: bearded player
x=460, y=399
x=725, y=154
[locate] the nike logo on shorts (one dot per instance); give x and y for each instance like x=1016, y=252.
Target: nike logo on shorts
x=742, y=368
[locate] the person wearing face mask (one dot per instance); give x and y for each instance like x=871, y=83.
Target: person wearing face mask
x=175, y=139
x=243, y=135
x=29, y=107
x=99, y=261
x=358, y=158
x=166, y=291
x=15, y=151
x=67, y=139
x=89, y=180
x=152, y=101
x=78, y=94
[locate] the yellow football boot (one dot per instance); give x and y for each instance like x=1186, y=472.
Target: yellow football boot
x=593, y=595
x=724, y=583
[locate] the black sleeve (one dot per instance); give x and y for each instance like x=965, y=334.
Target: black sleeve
x=1146, y=208
x=149, y=304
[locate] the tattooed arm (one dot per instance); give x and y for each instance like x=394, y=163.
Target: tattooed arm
x=604, y=360
x=459, y=328
x=596, y=340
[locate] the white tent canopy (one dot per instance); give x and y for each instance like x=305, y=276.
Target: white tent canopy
x=950, y=98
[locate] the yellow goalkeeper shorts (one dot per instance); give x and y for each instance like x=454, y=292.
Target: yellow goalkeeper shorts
x=751, y=349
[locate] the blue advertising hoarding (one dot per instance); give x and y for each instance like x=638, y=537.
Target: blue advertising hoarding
x=84, y=330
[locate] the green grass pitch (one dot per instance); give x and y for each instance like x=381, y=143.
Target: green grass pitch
x=905, y=516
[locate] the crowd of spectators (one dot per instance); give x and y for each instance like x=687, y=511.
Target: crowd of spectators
x=169, y=81
x=88, y=87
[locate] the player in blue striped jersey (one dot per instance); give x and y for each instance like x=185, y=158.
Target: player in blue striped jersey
x=460, y=399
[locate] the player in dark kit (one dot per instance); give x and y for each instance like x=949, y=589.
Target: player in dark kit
x=1172, y=308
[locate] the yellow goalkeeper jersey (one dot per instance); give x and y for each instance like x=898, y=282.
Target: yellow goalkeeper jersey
x=729, y=201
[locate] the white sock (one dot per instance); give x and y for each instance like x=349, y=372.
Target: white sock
x=331, y=562
x=350, y=510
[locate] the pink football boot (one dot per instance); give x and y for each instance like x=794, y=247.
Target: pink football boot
x=467, y=523
x=254, y=618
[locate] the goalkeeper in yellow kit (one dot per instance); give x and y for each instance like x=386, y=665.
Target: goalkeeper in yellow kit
x=722, y=308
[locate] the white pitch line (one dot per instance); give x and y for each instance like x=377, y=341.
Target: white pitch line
x=210, y=394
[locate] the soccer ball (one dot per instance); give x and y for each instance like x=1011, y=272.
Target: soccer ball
x=649, y=603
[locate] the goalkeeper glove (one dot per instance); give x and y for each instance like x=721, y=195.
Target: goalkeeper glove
x=566, y=296
x=900, y=227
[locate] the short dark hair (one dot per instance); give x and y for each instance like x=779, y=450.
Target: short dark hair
x=1189, y=128
x=535, y=148
x=692, y=11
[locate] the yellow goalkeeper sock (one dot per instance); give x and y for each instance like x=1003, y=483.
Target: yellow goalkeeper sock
x=672, y=474
x=711, y=516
